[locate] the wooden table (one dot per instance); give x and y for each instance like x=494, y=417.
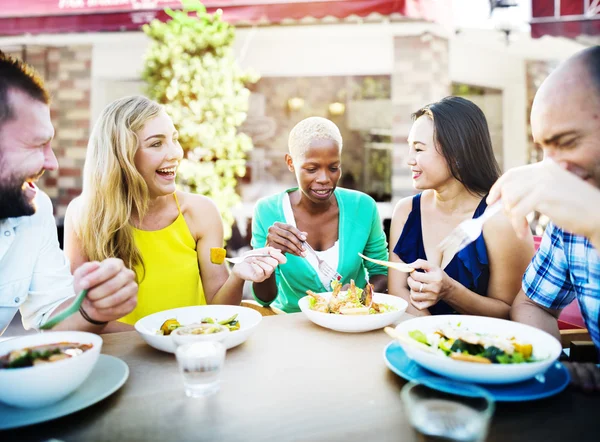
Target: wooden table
x=291, y=381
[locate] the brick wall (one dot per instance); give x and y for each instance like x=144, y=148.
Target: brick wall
x=318, y=93
x=537, y=71
x=67, y=73
x=420, y=76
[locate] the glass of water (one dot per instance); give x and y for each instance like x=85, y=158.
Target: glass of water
x=444, y=410
x=200, y=364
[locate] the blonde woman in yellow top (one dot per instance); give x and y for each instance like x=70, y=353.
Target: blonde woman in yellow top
x=130, y=209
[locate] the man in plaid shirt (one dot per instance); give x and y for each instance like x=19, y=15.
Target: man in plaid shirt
x=565, y=122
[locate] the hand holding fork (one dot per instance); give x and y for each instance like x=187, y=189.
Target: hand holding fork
x=325, y=268
x=467, y=232
x=289, y=239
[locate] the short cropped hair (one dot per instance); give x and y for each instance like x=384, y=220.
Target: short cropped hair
x=309, y=130
x=15, y=74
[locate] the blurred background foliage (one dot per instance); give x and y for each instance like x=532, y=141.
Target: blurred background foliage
x=190, y=68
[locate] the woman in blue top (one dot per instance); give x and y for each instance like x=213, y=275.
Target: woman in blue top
x=453, y=165
x=337, y=223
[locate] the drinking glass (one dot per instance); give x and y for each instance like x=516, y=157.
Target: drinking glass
x=444, y=410
x=200, y=364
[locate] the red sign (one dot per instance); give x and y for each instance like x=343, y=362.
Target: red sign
x=20, y=8
x=565, y=18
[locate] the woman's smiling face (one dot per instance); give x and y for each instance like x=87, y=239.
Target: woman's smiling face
x=158, y=155
x=428, y=166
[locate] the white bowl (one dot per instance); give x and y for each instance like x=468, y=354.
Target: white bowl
x=545, y=347
x=41, y=385
x=148, y=326
x=356, y=323
x=182, y=335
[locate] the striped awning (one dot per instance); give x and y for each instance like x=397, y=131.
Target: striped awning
x=59, y=16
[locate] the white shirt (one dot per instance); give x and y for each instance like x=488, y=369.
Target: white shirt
x=35, y=275
x=330, y=256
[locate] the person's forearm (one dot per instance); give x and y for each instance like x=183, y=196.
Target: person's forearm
x=404, y=293
x=593, y=220
x=467, y=302
x=231, y=292
x=595, y=240
x=535, y=316
x=379, y=283
x=77, y=322
x=266, y=291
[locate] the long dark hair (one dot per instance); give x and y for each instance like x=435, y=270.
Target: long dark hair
x=462, y=136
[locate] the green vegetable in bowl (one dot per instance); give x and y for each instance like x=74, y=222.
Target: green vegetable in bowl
x=231, y=323
x=464, y=345
x=419, y=336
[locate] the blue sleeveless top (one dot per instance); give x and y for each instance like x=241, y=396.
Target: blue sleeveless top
x=470, y=266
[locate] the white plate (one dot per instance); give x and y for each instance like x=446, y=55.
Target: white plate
x=356, y=323
x=148, y=326
x=108, y=375
x=545, y=347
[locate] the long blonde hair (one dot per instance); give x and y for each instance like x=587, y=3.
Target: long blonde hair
x=113, y=189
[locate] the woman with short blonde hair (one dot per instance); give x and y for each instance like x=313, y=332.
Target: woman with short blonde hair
x=336, y=223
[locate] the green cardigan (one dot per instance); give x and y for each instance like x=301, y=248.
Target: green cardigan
x=360, y=230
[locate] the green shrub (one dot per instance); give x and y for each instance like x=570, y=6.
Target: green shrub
x=190, y=68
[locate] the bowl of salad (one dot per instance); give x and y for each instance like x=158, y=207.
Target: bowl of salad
x=230, y=324
x=478, y=349
x=41, y=369
x=354, y=310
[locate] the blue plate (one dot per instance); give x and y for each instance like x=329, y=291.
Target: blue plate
x=108, y=375
x=555, y=379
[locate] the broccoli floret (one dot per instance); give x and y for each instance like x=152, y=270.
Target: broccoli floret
x=462, y=347
x=517, y=358
x=492, y=353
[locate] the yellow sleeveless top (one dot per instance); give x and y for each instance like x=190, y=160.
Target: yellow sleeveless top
x=170, y=277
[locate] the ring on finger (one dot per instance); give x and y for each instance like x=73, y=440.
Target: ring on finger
x=421, y=288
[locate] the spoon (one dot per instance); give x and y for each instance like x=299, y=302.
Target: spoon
x=73, y=308
x=239, y=259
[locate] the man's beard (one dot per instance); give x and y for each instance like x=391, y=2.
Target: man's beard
x=13, y=202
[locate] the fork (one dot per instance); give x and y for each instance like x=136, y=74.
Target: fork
x=73, y=308
x=325, y=268
x=467, y=231
x=239, y=259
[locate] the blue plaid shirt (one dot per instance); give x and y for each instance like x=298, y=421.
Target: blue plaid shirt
x=566, y=266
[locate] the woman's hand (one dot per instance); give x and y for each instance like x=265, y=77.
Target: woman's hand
x=427, y=289
x=258, y=269
x=286, y=238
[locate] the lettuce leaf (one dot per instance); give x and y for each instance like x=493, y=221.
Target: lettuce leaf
x=418, y=336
